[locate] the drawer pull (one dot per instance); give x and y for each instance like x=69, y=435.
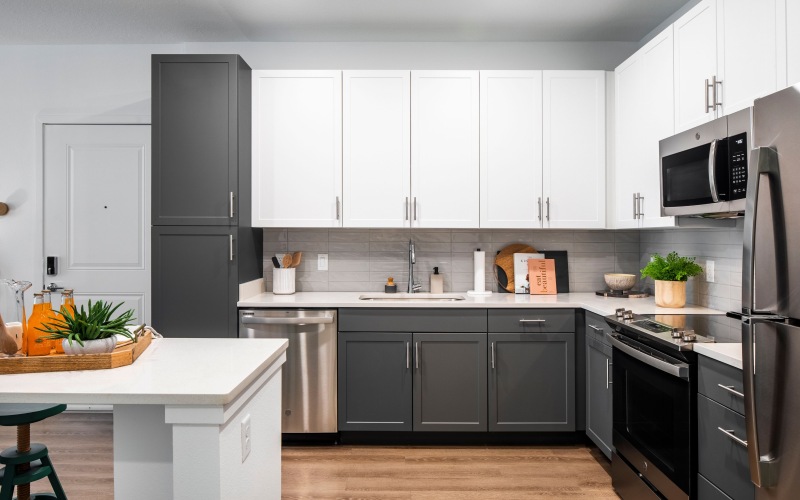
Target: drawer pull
x=729, y=433
x=524, y=321
x=596, y=328
x=730, y=389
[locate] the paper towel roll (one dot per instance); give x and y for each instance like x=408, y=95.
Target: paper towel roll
x=479, y=270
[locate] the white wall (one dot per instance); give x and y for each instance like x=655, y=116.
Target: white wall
x=102, y=80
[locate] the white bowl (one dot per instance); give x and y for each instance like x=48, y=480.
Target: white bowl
x=620, y=282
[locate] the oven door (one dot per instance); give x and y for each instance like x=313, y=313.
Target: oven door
x=653, y=408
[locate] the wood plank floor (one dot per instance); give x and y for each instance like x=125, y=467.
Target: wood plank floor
x=81, y=447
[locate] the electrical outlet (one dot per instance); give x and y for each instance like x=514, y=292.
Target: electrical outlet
x=710, y=271
x=245, y=437
x=322, y=262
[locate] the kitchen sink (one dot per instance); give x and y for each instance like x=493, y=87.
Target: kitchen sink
x=439, y=297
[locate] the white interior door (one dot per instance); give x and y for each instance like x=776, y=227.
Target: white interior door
x=97, y=212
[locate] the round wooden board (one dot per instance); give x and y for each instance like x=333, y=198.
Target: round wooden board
x=504, y=264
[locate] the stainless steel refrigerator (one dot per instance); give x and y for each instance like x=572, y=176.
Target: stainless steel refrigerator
x=771, y=297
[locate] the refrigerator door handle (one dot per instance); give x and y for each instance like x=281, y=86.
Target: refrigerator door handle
x=766, y=161
x=763, y=470
x=712, y=177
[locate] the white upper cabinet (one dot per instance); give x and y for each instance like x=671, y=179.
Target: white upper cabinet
x=645, y=115
x=792, y=53
x=444, y=149
x=511, y=149
x=696, y=62
x=376, y=148
x=297, y=148
x=574, y=149
x=748, y=51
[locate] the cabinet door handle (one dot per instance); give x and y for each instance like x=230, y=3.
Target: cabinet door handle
x=416, y=355
x=338, y=212
x=230, y=245
x=407, y=209
x=548, y=209
x=716, y=83
x=641, y=207
x=415, y=208
x=608, y=373
x=595, y=328
x=540, y=207
x=706, y=88
x=524, y=321
x=492, y=345
x=408, y=355
x=730, y=389
x=736, y=439
x=635, y=205
x=233, y=211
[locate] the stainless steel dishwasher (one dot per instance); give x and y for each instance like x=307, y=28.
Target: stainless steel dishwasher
x=309, y=374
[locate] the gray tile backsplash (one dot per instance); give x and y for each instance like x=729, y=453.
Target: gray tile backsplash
x=362, y=259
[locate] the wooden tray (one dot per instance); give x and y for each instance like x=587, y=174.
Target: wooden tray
x=121, y=356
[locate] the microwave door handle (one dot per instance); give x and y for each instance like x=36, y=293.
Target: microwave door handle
x=765, y=160
x=712, y=177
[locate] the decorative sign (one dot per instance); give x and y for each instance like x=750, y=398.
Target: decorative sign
x=542, y=276
x=521, y=284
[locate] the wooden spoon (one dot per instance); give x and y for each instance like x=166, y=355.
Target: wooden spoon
x=296, y=258
x=287, y=260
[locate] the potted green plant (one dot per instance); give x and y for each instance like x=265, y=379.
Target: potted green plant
x=94, y=330
x=670, y=274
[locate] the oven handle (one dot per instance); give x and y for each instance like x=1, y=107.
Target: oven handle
x=679, y=370
x=712, y=177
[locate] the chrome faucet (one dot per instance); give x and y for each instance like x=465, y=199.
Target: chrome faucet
x=412, y=259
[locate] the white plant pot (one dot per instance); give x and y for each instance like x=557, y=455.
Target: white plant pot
x=100, y=346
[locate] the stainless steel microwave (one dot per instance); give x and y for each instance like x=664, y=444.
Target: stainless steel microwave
x=704, y=169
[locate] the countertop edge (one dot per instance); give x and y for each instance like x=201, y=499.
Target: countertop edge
x=715, y=351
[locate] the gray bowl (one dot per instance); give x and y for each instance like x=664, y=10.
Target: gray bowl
x=620, y=282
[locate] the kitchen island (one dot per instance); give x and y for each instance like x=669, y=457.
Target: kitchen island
x=193, y=418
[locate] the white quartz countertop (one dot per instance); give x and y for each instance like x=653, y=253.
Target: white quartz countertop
x=730, y=354
x=170, y=371
x=589, y=301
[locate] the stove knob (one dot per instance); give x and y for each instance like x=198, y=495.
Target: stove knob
x=677, y=333
x=689, y=336
x=620, y=312
x=627, y=314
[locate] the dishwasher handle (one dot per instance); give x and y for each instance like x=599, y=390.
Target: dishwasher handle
x=290, y=320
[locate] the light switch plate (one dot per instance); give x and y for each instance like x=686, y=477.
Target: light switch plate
x=710, y=271
x=245, y=437
x=322, y=262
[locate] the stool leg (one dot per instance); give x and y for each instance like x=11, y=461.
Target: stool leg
x=7, y=488
x=53, y=477
x=23, y=446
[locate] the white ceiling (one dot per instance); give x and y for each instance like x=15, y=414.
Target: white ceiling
x=174, y=21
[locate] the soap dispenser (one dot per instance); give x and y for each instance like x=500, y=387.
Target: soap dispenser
x=437, y=281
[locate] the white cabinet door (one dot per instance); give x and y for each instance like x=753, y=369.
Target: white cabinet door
x=748, y=49
x=574, y=149
x=376, y=150
x=792, y=27
x=695, y=62
x=657, y=120
x=444, y=149
x=511, y=149
x=297, y=148
x=631, y=83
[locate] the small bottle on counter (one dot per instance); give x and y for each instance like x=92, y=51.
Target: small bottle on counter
x=437, y=281
x=391, y=286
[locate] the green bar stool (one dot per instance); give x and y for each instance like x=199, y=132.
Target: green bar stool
x=27, y=462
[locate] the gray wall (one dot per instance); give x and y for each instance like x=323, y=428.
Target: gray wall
x=362, y=259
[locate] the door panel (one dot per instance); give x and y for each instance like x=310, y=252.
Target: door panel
x=599, y=415
x=695, y=61
x=97, y=212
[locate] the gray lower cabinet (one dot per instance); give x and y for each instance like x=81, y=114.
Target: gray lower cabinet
x=722, y=461
x=531, y=382
x=599, y=384
x=449, y=382
x=195, y=275
x=375, y=380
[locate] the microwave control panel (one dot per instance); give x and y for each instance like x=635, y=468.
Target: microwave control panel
x=737, y=147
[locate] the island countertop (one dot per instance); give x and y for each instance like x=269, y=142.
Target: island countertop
x=174, y=371
x=588, y=301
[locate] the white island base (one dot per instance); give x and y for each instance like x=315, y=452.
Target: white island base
x=178, y=417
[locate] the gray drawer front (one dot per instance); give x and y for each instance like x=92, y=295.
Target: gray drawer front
x=721, y=460
x=596, y=328
x=712, y=375
x=412, y=320
x=531, y=320
x=707, y=491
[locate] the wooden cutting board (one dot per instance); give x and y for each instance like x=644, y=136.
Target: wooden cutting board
x=504, y=264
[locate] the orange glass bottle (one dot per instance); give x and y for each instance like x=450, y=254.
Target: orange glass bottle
x=52, y=316
x=38, y=317
x=68, y=301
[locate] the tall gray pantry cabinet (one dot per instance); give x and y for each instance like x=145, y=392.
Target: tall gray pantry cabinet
x=203, y=246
